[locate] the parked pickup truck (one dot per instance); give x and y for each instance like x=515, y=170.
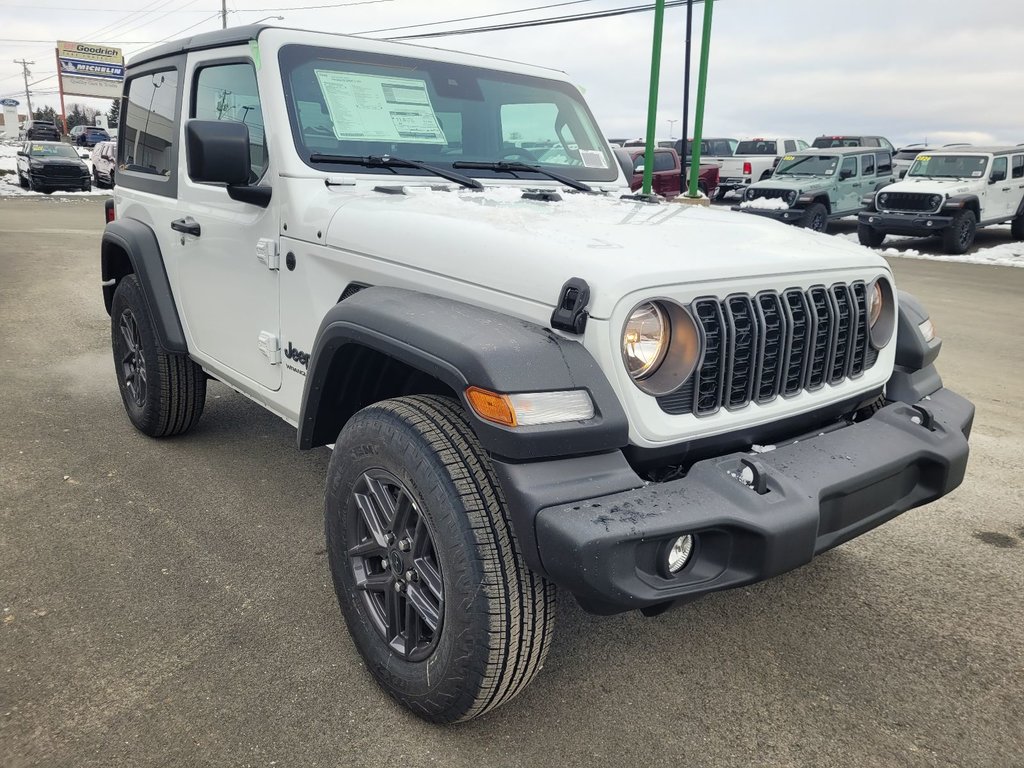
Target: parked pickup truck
x=813, y=187
x=755, y=159
x=666, y=174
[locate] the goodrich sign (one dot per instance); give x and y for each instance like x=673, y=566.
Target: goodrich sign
x=88, y=69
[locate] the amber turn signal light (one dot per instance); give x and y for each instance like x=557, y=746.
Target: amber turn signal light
x=491, y=406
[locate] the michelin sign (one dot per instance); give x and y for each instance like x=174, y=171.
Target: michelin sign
x=90, y=70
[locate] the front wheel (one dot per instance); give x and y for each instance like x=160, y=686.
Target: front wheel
x=960, y=235
x=816, y=218
x=425, y=564
x=870, y=236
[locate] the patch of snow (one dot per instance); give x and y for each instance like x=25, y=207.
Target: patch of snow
x=1000, y=254
x=766, y=204
x=762, y=448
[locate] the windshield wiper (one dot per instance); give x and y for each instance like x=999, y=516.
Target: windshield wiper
x=389, y=161
x=507, y=167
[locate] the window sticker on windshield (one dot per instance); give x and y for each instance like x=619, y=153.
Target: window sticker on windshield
x=375, y=108
x=593, y=158
x=829, y=171
x=924, y=158
x=976, y=173
x=38, y=148
x=789, y=157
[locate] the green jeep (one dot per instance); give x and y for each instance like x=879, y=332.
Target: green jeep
x=811, y=187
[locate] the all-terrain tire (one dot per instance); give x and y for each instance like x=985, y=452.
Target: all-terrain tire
x=493, y=618
x=816, y=218
x=959, y=237
x=163, y=393
x=1017, y=228
x=869, y=236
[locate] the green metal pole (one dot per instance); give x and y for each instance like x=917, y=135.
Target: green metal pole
x=652, y=101
x=702, y=84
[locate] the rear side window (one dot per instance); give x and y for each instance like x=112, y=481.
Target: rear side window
x=1018, y=166
x=228, y=92
x=150, y=129
x=870, y=141
x=790, y=145
x=867, y=165
x=756, y=147
x=884, y=162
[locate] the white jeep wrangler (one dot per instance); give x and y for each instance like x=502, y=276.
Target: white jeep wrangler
x=422, y=259
x=949, y=193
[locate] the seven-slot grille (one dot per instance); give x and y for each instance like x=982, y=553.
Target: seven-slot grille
x=759, y=347
x=912, y=202
x=771, y=194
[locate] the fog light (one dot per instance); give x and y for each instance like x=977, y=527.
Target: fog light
x=680, y=553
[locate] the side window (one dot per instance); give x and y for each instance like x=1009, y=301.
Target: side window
x=790, y=145
x=663, y=161
x=1018, y=166
x=871, y=141
x=149, y=128
x=999, y=166
x=801, y=144
x=884, y=163
x=867, y=165
x=228, y=92
x=849, y=168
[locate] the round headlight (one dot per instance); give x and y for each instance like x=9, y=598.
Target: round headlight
x=748, y=194
x=791, y=196
x=882, y=198
x=936, y=201
x=645, y=340
x=881, y=312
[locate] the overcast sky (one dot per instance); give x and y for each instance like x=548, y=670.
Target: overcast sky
x=911, y=70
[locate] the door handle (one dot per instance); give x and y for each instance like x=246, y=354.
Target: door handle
x=1006, y=189
x=188, y=226
x=857, y=184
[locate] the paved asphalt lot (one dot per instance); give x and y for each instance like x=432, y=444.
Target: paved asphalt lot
x=166, y=603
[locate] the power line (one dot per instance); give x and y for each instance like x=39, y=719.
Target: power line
x=471, y=18
x=545, y=22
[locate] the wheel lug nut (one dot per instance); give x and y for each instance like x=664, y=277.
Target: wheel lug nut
x=399, y=586
x=389, y=537
x=405, y=545
x=410, y=575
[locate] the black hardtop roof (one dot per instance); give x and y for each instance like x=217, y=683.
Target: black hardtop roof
x=221, y=38
x=839, y=151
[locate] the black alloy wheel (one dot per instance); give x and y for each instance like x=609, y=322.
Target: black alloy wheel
x=133, y=363
x=395, y=566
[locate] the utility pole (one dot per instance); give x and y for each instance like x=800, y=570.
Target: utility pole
x=223, y=14
x=26, y=73
x=686, y=98
x=652, y=101
x=702, y=86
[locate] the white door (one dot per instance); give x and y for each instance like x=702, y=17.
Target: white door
x=228, y=282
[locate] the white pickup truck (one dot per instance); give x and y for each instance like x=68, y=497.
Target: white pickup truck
x=755, y=160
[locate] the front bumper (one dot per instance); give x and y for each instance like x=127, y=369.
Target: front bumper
x=787, y=215
x=905, y=223
x=63, y=184
x=734, y=182
x=806, y=497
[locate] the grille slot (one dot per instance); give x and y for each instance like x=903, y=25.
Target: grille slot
x=771, y=194
x=913, y=202
x=757, y=348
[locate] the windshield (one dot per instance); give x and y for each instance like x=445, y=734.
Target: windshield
x=363, y=104
x=949, y=166
x=907, y=154
x=756, y=147
x=53, y=150
x=808, y=165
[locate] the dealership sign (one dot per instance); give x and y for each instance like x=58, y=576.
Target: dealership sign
x=87, y=69
x=8, y=102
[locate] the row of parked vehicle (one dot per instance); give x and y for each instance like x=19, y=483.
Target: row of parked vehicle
x=55, y=166
x=949, y=191
x=47, y=130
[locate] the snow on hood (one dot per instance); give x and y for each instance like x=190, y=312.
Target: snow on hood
x=932, y=184
x=496, y=239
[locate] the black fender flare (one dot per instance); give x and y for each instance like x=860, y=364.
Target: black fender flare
x=1020, y=208
x=463, y=345
x=139, y=243
x=962, y=201
x=914, y=376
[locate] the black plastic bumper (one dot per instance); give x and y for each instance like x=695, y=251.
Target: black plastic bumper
x=786, y=215
x=905, y=223
x=815, y=494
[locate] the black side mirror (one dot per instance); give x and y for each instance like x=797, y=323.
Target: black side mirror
x=845, y=174
x=997, y=176
x=22, y=153
x=217, y=152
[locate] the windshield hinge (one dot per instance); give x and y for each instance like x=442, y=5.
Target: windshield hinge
x=266, y=251
x=571, y=311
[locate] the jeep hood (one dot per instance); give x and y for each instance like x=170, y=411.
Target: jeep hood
x=935, y=186
x=497, y=240
x=800, y=183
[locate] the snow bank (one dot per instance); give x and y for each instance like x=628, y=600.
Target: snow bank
x=1002, y=254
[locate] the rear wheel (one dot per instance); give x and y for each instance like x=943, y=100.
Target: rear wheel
x=960, y=235
x=869, y=236
x=816, y=218
x=163, y=393
x=425, y=564
x=1017, y=228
